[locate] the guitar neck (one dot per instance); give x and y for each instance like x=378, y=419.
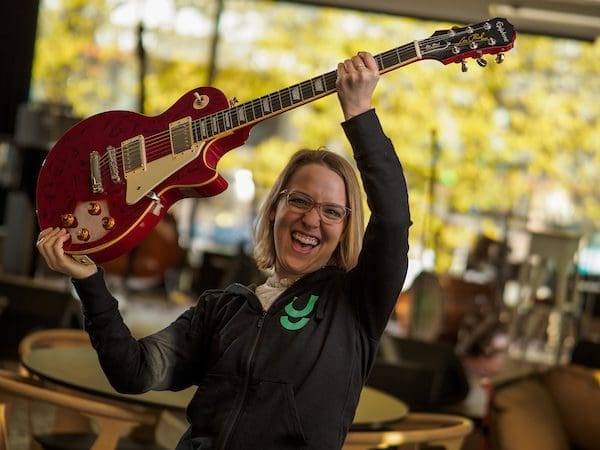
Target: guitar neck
x=291, y=97
x=490, y=37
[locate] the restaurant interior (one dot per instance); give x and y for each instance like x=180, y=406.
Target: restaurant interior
x=494, y=341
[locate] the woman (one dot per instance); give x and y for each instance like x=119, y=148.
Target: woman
x=280, y=367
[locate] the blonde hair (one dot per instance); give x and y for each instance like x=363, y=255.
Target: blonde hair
x=346, y=253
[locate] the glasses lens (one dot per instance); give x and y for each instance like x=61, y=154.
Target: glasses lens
x=300, y=201
x=333, y=213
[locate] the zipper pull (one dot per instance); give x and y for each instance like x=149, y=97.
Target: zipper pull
x=261, y=319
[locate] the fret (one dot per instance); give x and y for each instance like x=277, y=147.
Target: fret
x=235, y=118
x=220, y=122
x=397, y=51
x=275, y=100
x=257, y=109
x=389, y=60
x=306, y=90
x=241, y=113
x=311, y=89
x=319, y=87
x=214, y=124
x=224, y=123
x=227, y=117
x=203, y=130
x=286, y=99
x=379, y=60
x=330, y=81
x=249, y=108
x=295, y=94
x=266, y=104
x=195, y=131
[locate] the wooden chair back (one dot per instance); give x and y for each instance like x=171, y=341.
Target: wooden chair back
x=112, y=421
x=54, y=337
x=443, y=430
x=3, y=428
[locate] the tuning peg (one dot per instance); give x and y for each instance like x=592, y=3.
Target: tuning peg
x=482, y=62
x=463, y=66
x=499, y=58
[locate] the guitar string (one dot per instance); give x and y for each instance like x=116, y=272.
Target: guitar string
x=157, y=144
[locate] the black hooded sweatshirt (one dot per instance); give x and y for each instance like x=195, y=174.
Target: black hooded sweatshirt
x=289, y=377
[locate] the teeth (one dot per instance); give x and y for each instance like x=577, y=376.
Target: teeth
x=304, y=239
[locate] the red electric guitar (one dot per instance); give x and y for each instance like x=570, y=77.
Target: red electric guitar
x=111, y=177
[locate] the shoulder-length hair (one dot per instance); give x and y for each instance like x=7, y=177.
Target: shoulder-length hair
x=346, y=253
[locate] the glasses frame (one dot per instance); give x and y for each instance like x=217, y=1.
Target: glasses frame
x=317, y=205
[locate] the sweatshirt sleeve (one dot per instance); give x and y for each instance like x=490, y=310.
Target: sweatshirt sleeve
x=377, y=280
x=160, y=361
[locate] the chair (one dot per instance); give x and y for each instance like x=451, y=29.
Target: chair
x=424, y=375
x=54, y=337
x=554, y=408
x=32, y=304
x=70, y=421
x=113, y=422
x=3, y=432
x=65, y=421
x=420, y=430
x=538, y=329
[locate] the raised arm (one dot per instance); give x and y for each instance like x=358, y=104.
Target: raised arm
x=377, y=280
x=160, y=361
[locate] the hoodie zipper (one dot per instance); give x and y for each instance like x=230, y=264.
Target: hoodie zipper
x=249, y=367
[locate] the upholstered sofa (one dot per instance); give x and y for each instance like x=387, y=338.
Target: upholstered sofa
x=555, y=409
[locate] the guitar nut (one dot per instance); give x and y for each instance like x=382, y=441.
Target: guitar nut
x=68, y=220
x=83, y=234
x=108, y=223
x=94, y=208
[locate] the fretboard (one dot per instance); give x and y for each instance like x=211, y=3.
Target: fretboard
x=269, y=105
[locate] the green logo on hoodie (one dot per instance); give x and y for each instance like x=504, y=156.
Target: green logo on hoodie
x=298, y=316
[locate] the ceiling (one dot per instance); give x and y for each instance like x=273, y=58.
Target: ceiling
x=578, y=19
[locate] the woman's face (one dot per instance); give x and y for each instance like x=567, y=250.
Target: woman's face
x=303, y=242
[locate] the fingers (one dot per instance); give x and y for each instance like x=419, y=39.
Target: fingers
x=50, y=244
x=356, y=81
x=360, y=62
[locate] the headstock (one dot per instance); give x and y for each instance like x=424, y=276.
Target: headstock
x=494, y=36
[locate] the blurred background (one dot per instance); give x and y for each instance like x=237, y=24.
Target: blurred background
x=502, y=161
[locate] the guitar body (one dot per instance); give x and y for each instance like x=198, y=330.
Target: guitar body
x=104, y=225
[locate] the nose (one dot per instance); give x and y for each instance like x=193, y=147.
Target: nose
x=312, y=217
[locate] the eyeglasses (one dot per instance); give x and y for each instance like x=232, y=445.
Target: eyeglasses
x=329, y=212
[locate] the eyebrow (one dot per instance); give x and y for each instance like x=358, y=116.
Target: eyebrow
x=289, y=191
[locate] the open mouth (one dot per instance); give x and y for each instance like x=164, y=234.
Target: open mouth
x=304, y=242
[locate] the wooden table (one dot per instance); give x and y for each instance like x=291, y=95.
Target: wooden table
x=78, y=368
